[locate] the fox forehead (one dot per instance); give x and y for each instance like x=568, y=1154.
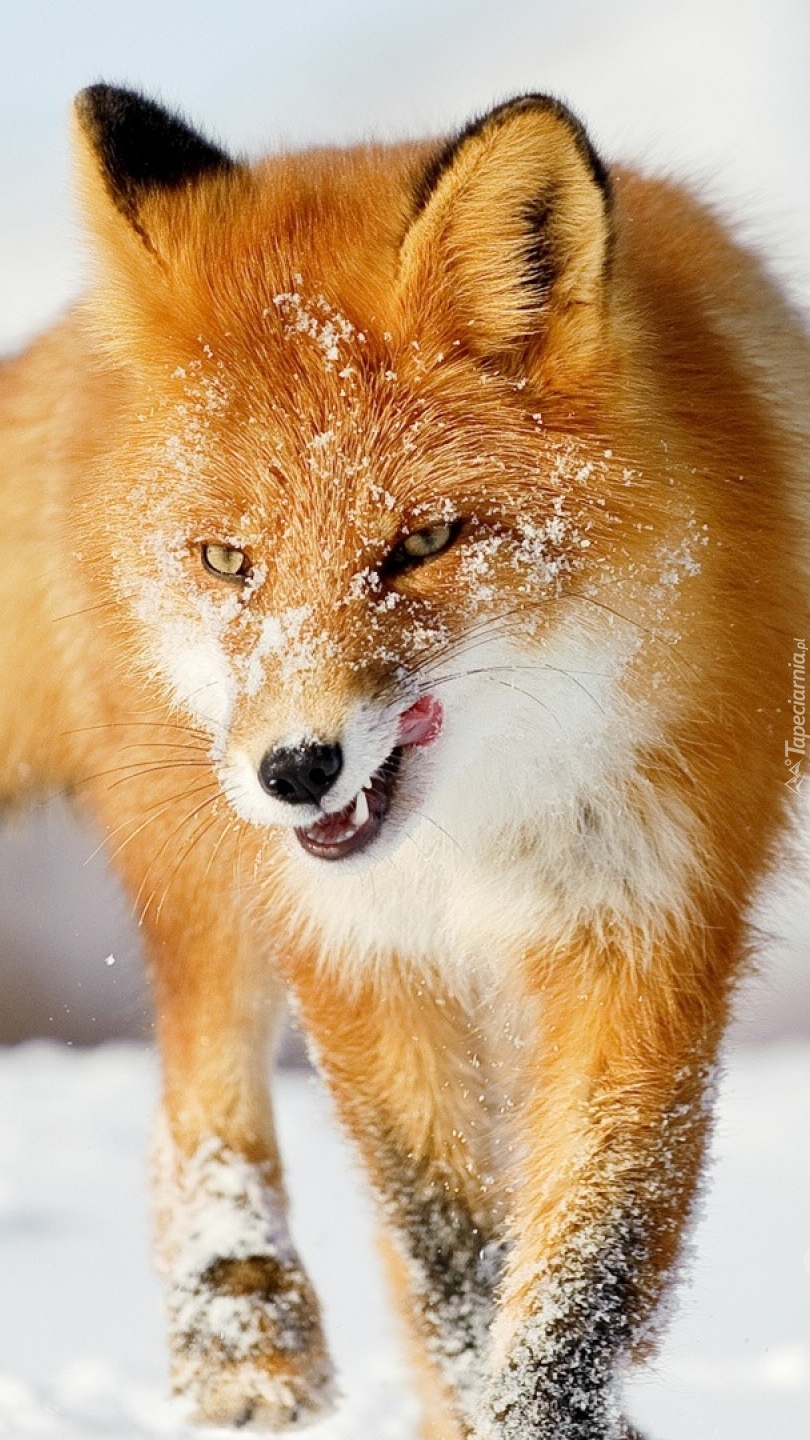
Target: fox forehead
x=312, y=238
x=328, y=437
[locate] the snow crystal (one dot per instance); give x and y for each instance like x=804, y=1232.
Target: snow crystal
x=680, y=561
x=382, y=496
x=367, y=582
x=288, y=637
x=315, y=318
x=319, y=441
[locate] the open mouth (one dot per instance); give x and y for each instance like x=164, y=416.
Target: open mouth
x=335, y=835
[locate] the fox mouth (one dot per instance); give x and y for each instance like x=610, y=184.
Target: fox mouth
x=337, y=834
x=347, y=831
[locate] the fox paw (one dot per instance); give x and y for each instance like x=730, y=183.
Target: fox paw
x=244, y=1322
x=250, y=1398
x=258, y=1395
x=248, y=1349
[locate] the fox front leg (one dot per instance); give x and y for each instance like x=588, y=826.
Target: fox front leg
x=401, y=1061
x=615, y=1135
x=244, y=1322
x=244, y=1326
x=244, y=1329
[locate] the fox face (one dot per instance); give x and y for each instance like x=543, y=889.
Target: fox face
x=356, y=611
x=378, y=516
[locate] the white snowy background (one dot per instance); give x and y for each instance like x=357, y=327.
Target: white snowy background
x=717, y=90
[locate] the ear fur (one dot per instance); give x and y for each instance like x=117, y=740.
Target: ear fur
x=513, y=227
x=152, y=189
x=139, y=150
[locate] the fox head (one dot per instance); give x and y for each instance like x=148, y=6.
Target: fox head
x=360, y=483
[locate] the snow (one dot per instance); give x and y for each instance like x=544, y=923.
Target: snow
x=82, y=1345
x=326, y=327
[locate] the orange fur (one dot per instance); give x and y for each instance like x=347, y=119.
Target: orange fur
x=592, y=403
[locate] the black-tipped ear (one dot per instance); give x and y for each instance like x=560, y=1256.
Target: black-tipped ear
x=141, y=148
x=513, y=225
x=447, y=153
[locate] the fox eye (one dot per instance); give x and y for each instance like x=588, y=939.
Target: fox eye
x=421, y=545
x=226, y=562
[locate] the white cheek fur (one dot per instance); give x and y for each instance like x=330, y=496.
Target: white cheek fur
x=197, y=671
x=183, y=631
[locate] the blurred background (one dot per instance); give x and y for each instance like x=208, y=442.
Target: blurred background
x=713, y=90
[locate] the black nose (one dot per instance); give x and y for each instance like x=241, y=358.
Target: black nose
x=300, y=774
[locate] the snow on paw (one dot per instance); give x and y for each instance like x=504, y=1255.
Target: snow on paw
x=248, y=1349
x=244, y=1324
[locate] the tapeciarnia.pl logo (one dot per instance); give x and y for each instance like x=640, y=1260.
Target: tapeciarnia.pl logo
x=798, y=745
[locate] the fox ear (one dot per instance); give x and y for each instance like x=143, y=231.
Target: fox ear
x=139, y=152
x=513, y=229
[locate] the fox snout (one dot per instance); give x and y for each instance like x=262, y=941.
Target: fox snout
x=303, y=774
x=336, y=794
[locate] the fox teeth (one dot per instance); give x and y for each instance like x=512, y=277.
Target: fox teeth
x=360, y=812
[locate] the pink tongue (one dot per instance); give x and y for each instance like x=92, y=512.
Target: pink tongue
x=421, y=723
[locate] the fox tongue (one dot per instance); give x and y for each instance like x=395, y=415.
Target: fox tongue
x=421, y=723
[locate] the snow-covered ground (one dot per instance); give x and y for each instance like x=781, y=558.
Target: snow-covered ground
x=81, y=1338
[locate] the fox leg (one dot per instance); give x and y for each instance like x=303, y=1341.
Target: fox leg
x=244, y=1326
x=439, y=1418
x=402, y=1063
x=614, y=1136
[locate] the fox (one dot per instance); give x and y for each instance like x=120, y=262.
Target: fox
x=406, y=568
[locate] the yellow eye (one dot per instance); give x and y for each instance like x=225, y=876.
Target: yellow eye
x=427, y=542
x=421, y=545
x=225, y=561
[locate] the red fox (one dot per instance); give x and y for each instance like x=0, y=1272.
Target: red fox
x=406, y=564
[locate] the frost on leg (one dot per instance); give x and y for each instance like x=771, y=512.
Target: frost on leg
x=560, y=1377
x=615, y=1132
x=244, y=1324
x=450, y=1266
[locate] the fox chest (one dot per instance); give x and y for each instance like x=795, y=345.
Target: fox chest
x=470, y=891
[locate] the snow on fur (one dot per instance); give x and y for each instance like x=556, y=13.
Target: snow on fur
x=215, y=1208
